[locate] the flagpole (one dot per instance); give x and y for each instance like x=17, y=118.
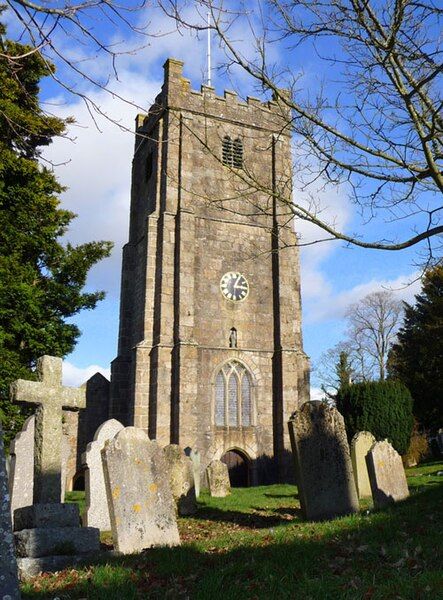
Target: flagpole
x=209, y=48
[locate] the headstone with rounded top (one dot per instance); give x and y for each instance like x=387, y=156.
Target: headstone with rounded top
x=386, y=474
x=322, y=462
x=218, y=479
x=181, y=479
x=97, y=511
x=9, y=589
x=360, y=445
x=140, y=501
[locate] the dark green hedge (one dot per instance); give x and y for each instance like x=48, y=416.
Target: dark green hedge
x=382, y=407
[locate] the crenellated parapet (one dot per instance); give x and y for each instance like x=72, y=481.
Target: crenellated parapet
x=177, y=95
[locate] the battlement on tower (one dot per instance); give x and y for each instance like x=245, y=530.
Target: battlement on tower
x=177, y=95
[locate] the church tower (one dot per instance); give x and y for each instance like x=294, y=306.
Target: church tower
x=210, y=350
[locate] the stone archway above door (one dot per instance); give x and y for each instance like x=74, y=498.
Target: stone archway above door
x=239, y=467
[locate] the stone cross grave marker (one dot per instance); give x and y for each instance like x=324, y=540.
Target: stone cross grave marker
x=386, y=474
x=181, y=479
x=322, y=461
x=140, y=500
x=51, y=398
x=218, y=479
x=9, y=589
x=97, y=511
x=360, y=445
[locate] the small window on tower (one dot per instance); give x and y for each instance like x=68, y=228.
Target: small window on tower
x=237, y=153
x=233, y=338
x=149, y=165
x=227, y=151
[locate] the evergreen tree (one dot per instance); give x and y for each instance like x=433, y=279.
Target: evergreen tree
x=417, y=358
x=41, y=280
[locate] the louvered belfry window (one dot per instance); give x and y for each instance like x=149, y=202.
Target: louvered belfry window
x=233, y=396
x=232, y=152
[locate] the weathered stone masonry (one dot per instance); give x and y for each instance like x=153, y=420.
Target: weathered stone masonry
x=192, y=220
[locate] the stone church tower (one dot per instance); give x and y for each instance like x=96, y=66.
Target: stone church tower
x=210, y=349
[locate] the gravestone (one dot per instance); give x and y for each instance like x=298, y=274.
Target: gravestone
x=21, y=474
x=97, y=512
x=47, y=533
x=218, y=479
x=140, y=501
x=181, y=479
x=386, y=474
x=9, y=589
x=194, y=455
x=360, y=445
x=323, y=467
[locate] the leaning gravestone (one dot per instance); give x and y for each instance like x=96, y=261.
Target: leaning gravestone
x=218, y=479
x=47, y=534
x=360, y=445
x=181, y=479
x=140, y=501
x=97, y=512
x=322, y=461
x=9, y=589
x=386, y=474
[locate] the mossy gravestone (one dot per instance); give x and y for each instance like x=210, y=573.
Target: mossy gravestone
x=139, y=496
x=9, y=589
x=323, y=464
x=181, y=479
x=218, y=479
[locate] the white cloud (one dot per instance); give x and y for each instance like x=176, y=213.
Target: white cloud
x=333, y=306
x=74, y=376
x=317, y=394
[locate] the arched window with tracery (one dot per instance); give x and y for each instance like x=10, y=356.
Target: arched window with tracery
x=233, y=396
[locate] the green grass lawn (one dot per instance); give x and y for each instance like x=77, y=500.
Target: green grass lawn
x=254, y=544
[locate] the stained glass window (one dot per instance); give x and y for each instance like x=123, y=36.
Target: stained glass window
x=233, y=400
x=233, y=396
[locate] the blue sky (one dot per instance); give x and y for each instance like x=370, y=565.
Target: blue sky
x=95, y=166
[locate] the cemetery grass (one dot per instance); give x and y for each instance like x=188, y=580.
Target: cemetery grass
x=254, y=544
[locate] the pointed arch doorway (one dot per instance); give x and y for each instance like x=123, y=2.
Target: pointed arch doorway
x=238, y=466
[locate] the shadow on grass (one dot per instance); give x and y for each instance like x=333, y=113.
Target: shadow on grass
x=290, y=495
x=254, y=520
x=395, y=553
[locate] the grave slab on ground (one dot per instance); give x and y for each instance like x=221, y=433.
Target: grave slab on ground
x=323, y=467
x=360, y=445
x=386, y=474
x=218, y=479
x=48, y=532
x=140, y=500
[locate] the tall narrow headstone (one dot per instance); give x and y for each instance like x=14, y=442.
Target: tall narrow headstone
x=386, y=474
x=181, y=479
x=97, y=511
x=218, y=479
x=323, y=464
x=21, y=473
x=51, y=397
x=9, y=589
x=360, y=445
x=194, y=455
x=140, y=500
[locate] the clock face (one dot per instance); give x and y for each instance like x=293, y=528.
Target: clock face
x=234, y=286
